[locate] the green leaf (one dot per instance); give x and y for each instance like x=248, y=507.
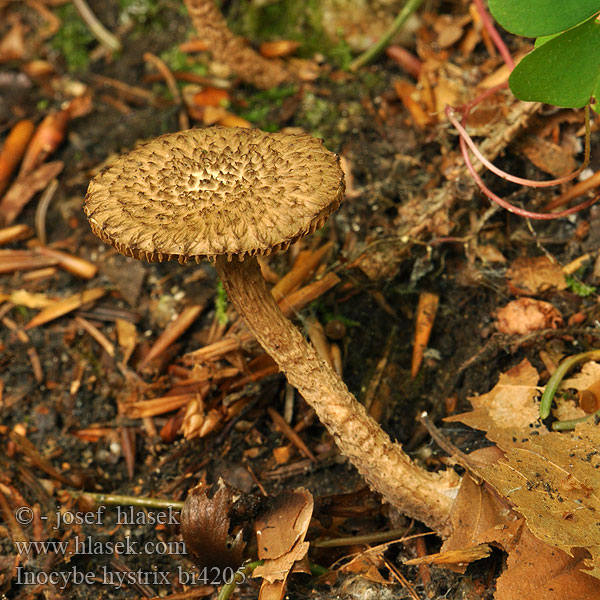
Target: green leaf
x=545, y=38
x=565, y=71
x=532, y=18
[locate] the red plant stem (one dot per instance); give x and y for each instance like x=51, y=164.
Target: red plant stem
x=466, y=141
x=494, y=169
x=498, y=42
x=511, y=207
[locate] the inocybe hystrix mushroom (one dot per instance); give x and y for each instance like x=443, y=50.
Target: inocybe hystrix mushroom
x=232, y=194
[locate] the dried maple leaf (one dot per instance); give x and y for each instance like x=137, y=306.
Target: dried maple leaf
x=510, y=406
x=554, y=482
x=552, y=479
x=527, y=314
x=478, y=510
x=539, y=571
x=529, y=276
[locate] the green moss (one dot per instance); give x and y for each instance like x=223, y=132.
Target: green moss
x=73, y=39
x=262, y=107
x=288, y=19
x=138, y=11
x=221, y=303
x=575, y=285
x=316, y=110
x=25, y=313
x=177, y=60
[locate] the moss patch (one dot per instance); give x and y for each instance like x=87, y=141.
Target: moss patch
x=73, y=39
x=288, y=19
x=262, y=108
x=141, y=12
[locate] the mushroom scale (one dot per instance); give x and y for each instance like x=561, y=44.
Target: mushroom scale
x=194, y=194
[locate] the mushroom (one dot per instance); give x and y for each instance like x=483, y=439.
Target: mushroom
x=234, y=51
x=232, y=194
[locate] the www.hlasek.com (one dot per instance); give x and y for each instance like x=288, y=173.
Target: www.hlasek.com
x=90, y=545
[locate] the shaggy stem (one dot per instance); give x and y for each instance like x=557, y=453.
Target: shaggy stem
x=234, y=51
x=414, y=491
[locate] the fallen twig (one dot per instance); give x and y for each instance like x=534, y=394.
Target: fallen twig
x=73, y=264
x=157, y=406
x=24, y=188
x=65, y=306
x=105, y=37
x=426, y=311
x=42, y=210
x=15, y=233
x=162, y=68
x=94, y=332
x=290, y=434
x=23, y=260
x=172, y=332
x=13, y=150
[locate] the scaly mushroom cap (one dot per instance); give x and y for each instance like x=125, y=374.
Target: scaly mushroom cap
x=207, y=192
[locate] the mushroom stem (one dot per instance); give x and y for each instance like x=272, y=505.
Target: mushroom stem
x=234, y=51
x=414, y=491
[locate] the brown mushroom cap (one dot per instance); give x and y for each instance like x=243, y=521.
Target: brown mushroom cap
x=202, y=193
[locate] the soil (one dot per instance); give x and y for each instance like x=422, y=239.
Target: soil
x=392, y=162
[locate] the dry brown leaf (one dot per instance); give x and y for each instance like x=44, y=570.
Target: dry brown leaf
x=538, y=571
x=525, y=315
x=24, y=188
x=547, y=156
x=205, y=527
x=450, y=29
x=589, y=374
x=529, y=276
x=488, y=253
x=367, y=565
x=554, y=482
x=280, y=537
x=477, y=511
x=453, y=558
x=566, y=408
x=510, y=406
x=551, y=479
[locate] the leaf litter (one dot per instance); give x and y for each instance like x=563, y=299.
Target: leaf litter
x=550, y=479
